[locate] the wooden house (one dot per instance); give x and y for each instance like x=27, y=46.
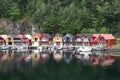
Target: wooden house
x=68, y=40
x=24, y=39
x=3, y=39
x=94, y=39
x=78, y=39
x=46, y=40
x=29, y=37
x=16, y=39
x=9, y=40
x=86, y=39
x=107, y=40
x=58, y=41
x=36, y=39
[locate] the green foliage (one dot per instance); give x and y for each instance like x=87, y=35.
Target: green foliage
x=14, y=11
x=63, y=16
x=103, y=30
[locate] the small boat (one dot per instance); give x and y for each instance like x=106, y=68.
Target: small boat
x=84, y=48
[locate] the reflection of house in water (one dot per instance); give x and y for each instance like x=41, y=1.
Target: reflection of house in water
x=68, y=56
x=103, y=60
x=6, y=60
x=7, y=55
x=58, y=55
x=44, y=56
x=35, y=56
x=83, y=56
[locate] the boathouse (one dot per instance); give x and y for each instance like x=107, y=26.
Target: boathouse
x=86, y=39
x=23, y=39
x=78, y=39
x=16, y=39
x=94, y=39
x=58, y=40
x=46, y=40
x=36, y=38
x=68, y=39
x=107, y=39
x=3, y=39
x=9, y=40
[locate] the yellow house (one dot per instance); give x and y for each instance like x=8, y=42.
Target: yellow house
x=35, y=40
x=9, y=40
x=58, y=41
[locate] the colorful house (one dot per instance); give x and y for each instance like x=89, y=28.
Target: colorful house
x=36, y=39
x=94, y=39
x=86, y=39
x=68, y=40
x=107, y=40
x=3, y=39
x=78, y=39
x=58, y=41
x=46, y=40
x=24, y=39
x=9, y=40
x=29, y=37
x=16, y=39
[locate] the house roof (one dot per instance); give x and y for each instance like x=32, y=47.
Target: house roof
x=69, y=35
x=95, y=35
x=28, y=36
x=79, y=35
x=58, y=34
x=107, y=36
x=47, y=35
x=39, y=35
x=21, y=36
x=4, y=36
x=14, y=36
x=88, y=35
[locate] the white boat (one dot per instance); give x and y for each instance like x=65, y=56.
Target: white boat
x=84, y=48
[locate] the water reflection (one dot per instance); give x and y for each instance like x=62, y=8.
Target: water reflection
x=17, y=59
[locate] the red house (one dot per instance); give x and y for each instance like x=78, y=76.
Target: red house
x=107, y=39
x=46, y=40
x=94, y=39
x=24, y=39
x=2, y=40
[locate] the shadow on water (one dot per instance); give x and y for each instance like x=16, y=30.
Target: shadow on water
x=60, y=64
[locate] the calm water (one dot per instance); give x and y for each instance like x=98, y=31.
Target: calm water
x=60, y=64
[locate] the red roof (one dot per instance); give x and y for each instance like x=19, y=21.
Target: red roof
x=39, y=35
x=95, y=35
x=20, y=36
x=107, y=36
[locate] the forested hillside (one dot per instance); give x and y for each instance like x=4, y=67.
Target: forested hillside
x=66, y=16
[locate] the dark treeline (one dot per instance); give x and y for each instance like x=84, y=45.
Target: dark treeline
x=66, y=16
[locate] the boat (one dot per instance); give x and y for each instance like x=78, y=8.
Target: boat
x=84, y=48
